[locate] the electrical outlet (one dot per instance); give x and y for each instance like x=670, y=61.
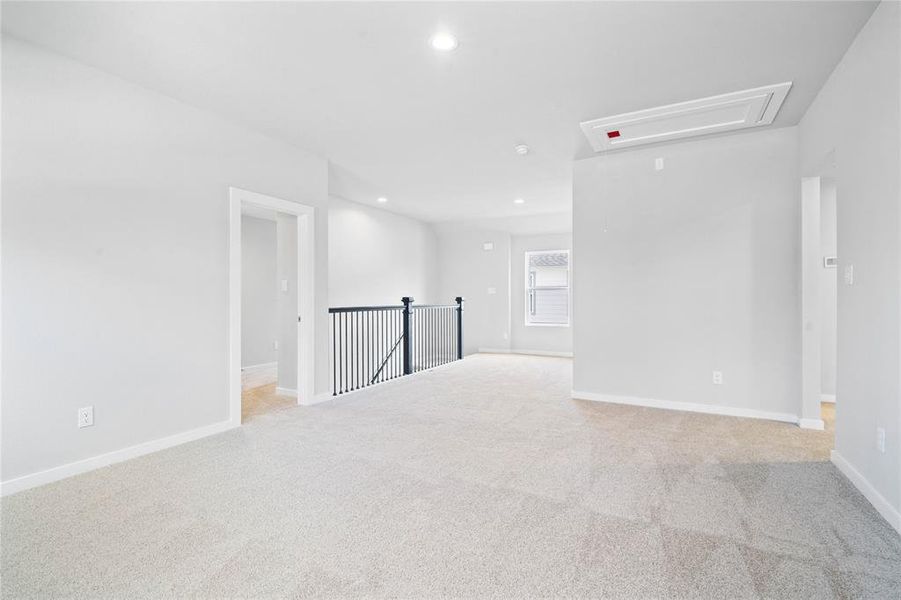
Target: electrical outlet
x=849, y=274
x=85, y=416
x=880, y=439
x=717, y=378
x=492, y=291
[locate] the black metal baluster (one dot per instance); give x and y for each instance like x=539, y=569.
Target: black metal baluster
x=333, y=354
x=357, y=350
x=365, y=348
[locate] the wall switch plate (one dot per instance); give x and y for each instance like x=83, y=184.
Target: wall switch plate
x=849, y=274
x=488, y=246
x=85, y=416
x=275, y=344
x=284, y=285
x=658, y=164
x=717, y=378
x=880, y=439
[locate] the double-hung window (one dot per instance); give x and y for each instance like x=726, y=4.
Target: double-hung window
x=547, y=287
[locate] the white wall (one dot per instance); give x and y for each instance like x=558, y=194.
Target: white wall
x=496, y=321
x=259, y=285
x=531, y=338
x=377, y=257
x=828, y=288
x=470, y=271
x=856, y=118
x=115, y=250
x=688, y=270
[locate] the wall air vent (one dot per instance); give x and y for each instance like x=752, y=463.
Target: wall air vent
x=717, y=114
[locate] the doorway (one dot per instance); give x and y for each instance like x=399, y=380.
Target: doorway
x=271, y=257
x=828, y=294
x=819, y=299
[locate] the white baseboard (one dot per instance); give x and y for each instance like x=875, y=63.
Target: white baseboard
x=527, y=352
x=827, y=398
x=286, y=392
x=713, y=409
x=96, y=462
x=889, y=512
x=257, y=375
x=812, y=424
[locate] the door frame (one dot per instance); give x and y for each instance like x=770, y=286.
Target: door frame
x=306, y=248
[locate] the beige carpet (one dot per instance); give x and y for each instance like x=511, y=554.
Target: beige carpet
x=480, y=479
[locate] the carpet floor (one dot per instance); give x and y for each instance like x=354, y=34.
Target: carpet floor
x=478, y=479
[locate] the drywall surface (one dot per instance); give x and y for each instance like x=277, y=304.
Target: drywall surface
x=377, y=257
x=856, y=119
x=259, y=322
x=526, y=338
x=482, y=277
x=115, y=258
x=688, y=270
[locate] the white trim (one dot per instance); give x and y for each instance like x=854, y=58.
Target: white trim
x=879, y=502
x=286, y=392
x=713, y=409
x=253, y=376
x=812, y=424
x=260, y=367
x=96, y=462
x=827, y=398
x=528, y=352
x=306, y=248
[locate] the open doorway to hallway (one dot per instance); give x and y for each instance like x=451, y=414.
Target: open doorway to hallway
x=268, y=310
x=828, y=295
x=819, y=292
x=271, y=292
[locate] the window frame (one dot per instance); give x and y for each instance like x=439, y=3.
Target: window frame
x=527, y=288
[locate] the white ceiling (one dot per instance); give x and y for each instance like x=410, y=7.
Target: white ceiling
x=359, y=84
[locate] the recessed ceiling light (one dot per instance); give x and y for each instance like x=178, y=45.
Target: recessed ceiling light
x=444, y=41
x=521, y=149
x=381, y=199
x=519, y=201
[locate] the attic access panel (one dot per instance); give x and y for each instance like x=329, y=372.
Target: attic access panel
x=716, y=114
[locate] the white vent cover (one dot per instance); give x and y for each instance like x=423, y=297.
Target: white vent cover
x=717, y=114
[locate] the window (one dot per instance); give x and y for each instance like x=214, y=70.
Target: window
x=547, y=288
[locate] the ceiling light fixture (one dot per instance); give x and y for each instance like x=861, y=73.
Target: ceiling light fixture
x=444, y=42
x=521, y=149
x=381, y=199
x=519, y=201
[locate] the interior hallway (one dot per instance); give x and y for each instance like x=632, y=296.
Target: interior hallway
x=481, y=478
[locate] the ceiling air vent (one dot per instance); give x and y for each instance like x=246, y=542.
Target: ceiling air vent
x=717, y=114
